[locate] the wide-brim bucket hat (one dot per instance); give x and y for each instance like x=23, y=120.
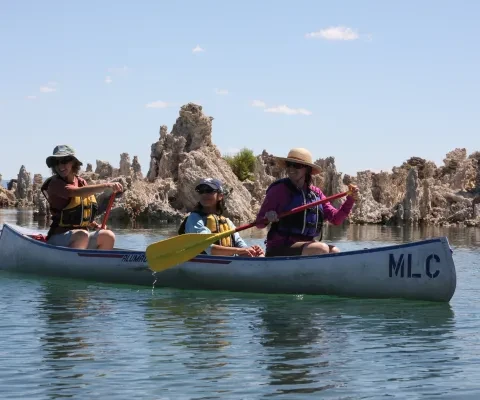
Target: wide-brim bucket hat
x=300, y=156
x=61, y=151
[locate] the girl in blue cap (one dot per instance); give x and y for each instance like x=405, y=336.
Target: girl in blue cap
x=207, y=217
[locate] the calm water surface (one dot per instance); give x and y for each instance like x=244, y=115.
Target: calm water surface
x=61, y=338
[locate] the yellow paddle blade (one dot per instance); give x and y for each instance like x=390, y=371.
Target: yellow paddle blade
x=178, y=249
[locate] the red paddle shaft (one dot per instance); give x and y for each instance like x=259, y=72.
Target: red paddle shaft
x=107, y=211
x=297, y=209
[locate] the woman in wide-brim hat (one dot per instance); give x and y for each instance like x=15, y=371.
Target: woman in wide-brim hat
x=73, y=205
x=294, y=235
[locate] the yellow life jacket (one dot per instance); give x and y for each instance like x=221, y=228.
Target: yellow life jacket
x=219, y=224
x=216, y=224
x=80, y=212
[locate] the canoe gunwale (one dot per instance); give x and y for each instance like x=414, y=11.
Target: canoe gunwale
x=442, y=240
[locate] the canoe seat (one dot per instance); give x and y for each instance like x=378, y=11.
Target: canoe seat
x=39, y=237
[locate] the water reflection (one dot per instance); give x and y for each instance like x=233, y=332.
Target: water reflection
x=306, y=340
x=64, y=338
x=203, y=322
x=43, y=222
x=409, y=339
x=23, y=218
x=457, y=236
x=296, y=358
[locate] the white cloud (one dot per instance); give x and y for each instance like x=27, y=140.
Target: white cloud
x=198, y=49
x=221, y=92
x=334, y=33
x=108, y=80
x=158, y=104
x=52, y=83
x=258, y=103
x=31, y=97
x=283, y=109
x=47, y=89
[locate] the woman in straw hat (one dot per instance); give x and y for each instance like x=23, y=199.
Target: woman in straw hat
x=73, y=204
x=293, y=235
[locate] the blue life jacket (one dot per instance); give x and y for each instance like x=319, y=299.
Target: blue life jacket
x=308, y=222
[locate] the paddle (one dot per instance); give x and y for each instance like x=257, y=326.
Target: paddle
x=178, y=249
x=108, y=209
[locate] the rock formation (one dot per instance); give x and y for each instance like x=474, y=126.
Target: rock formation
x=7, y=198
x=186, y=155
x=411, y=210
x=416, y=192
x=329, y=179
x=261, y=179
x=367, y=210
x=104, y=169
x=23, y=190
x=474, y=184
x=37, y=181
x=419, y=192
x=125, y=165
x=40, y=203
x=12, y=184
x=136, y=169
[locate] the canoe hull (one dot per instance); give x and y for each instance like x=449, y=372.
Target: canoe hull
x=421, y=270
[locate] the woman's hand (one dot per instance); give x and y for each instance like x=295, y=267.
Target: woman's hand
x=253, y=251
x=94, y=225
x=115, y=186
x=354, y=192
x=258, y=251
x=271, y=216
x=245, y=252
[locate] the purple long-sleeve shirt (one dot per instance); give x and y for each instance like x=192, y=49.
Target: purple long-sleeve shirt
x=278, y=198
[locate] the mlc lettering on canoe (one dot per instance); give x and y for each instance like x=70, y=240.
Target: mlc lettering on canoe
x=397, y=268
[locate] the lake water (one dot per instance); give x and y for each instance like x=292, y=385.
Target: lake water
x=62, y=338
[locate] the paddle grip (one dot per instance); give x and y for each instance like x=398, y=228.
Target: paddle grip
x=296, y=209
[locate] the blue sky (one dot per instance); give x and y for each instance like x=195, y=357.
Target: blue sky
x=368, y=82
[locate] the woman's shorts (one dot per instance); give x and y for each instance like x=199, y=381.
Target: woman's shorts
x=64, y=239
x=287, y=251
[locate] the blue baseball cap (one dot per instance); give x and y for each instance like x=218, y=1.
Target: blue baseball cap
x=210, y=182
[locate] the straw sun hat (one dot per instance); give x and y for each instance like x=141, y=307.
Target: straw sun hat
x=300, y=156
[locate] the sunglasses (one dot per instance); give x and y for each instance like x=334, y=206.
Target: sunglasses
x=208, y=190
x=295, y=165
x=64, y=160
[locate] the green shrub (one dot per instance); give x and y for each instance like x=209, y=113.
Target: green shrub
x=242, y=163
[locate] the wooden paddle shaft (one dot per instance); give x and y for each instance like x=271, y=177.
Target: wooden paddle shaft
x=297, y=209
